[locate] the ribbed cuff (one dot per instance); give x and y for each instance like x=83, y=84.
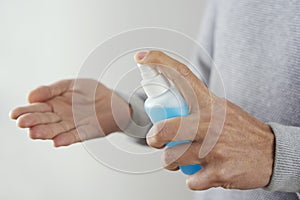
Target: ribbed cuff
x=286, y=169
x=140, y=123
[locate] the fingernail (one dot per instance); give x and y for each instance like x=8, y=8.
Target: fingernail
x=141, y=55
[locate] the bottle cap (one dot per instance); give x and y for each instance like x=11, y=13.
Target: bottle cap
x=154, y=82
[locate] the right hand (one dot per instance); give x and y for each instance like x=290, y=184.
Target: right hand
x=50, y=114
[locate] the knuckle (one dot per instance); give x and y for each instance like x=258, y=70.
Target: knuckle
x=191, y=185
x=168, y=157
x=154, y=142
x=48, y=89
x=215, y=177
x=159, y=135
x=218, y=152
x=34, y=134
x=220, y=176
x=50, y=117
x=161, y=131
x=162, y=135
x=196, y=131
x=157, y=54
x=195, y=151
x=50, y=106
x=45, y=117
x=51, y=130
x=32, y=119
x=183, y=70
x=64, y=126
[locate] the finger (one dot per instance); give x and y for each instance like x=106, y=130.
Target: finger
x=45, y=93
x=33, y=119
x=173, y=169
x=154, y=58
x=67, y=138
x=32, y=108
x=202, y=180
x=175, y=129
x=181, y=155
x=49, y=131
x=79, y=134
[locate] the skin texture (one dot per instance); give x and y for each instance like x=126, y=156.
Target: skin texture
x=235, y=149
x=50, y=115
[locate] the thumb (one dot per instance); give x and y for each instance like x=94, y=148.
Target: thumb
x=45, y=93
x=168, y=66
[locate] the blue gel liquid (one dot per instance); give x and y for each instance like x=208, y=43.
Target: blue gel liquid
x=158, y=113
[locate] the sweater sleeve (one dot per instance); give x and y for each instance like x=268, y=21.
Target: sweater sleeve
x=286, y=169
x=139, y=123
x=202, y=56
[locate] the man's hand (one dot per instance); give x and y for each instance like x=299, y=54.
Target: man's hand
x=71, y=111
x=234, y=148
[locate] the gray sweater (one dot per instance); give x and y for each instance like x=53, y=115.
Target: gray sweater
x=255, y=45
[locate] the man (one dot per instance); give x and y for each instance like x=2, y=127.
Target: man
x=255, y=45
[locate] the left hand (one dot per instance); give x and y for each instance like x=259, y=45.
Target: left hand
x=64, y=112
x=235, y=152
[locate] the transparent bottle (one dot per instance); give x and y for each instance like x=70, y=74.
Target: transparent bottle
x=164, y=101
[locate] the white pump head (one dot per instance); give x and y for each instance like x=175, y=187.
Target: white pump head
x=154, y=83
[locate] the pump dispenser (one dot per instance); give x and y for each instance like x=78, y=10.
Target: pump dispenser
x=164, y=102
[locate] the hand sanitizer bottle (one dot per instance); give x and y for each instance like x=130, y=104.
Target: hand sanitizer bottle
x=164, y=102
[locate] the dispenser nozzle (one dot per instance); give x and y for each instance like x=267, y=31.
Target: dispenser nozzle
x=147, y=72
x=154, y=83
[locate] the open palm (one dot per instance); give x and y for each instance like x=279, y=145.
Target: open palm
x=71, y=111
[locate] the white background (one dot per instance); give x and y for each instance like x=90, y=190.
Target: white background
x=44, y=41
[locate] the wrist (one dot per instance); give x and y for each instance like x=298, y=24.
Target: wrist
x=121, y=113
